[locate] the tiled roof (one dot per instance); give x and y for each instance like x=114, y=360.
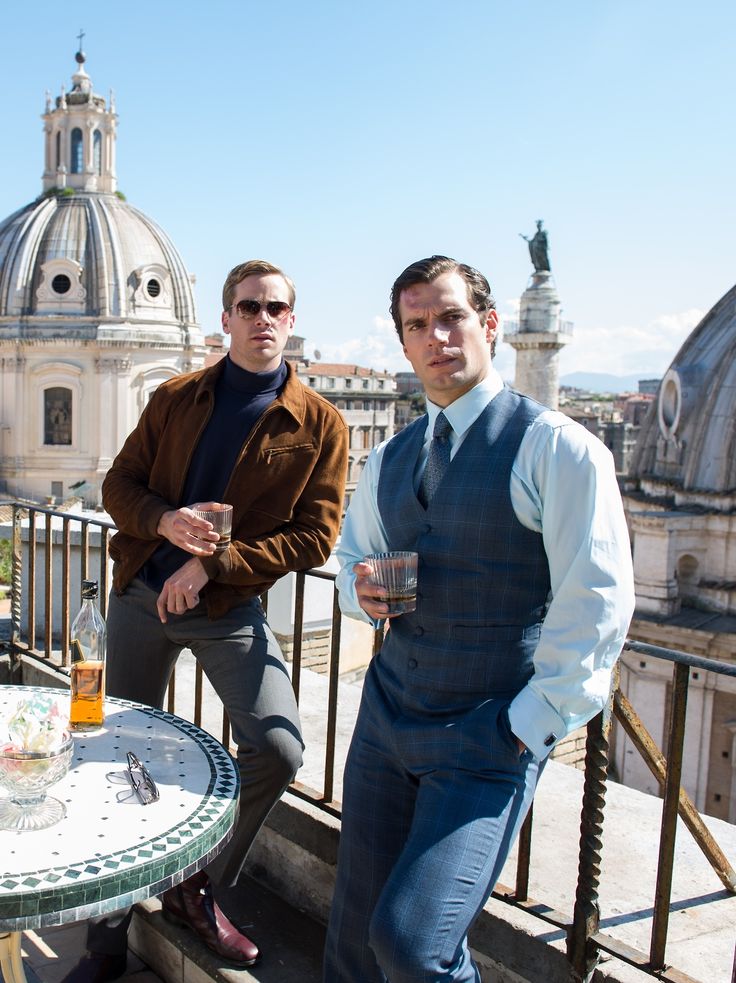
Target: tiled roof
x=340, y=368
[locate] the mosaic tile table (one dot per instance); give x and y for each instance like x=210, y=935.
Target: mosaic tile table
x=110, y=850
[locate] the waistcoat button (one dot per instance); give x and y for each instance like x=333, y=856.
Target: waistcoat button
x=413, y=663
x=418, y=631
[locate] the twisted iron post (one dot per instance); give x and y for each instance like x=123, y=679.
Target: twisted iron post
x=581, y=950
x=16, y=586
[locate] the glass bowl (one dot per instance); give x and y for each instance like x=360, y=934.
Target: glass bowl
x=25, y=776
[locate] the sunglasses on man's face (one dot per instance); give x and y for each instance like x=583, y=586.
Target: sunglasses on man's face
x=276, y=309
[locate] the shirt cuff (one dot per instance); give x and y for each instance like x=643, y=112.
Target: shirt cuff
x=535, y=722
x=348, y=599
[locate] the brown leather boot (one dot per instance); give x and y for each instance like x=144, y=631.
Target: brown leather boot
x=191, y=905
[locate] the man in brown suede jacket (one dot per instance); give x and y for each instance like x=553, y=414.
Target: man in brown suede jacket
x=248, y=433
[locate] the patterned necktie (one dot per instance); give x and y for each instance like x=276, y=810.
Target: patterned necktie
x=438, y=460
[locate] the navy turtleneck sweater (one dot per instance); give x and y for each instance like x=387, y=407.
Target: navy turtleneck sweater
x=241, y=397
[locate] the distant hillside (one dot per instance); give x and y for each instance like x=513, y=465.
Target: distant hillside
x=601, y=382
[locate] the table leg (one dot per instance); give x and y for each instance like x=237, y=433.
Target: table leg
x=11, y=962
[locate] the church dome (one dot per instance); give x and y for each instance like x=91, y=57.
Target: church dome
x=96, y=309
x=91, y=255
x=687, y=445
x=79, y=261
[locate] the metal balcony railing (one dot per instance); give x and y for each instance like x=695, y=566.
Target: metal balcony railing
x=41, y=586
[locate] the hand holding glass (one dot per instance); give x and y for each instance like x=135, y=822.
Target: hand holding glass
x=396, y=572
x=221, y=518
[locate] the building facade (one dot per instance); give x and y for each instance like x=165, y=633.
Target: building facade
x=365, y=397
x=96, y=310
x=614, y=419
x=680, y=499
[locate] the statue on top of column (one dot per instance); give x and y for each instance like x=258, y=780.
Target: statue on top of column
x=538, y=249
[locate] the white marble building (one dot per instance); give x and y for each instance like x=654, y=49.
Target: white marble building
x=96, y=310
x=680, y=501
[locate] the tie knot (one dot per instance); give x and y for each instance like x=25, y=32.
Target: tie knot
x=442, y=427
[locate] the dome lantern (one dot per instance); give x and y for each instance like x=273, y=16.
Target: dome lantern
x=80, y=137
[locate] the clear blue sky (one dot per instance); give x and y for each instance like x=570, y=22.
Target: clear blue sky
x=343, y=141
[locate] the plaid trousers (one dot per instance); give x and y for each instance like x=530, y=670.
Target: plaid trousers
x=431, y=809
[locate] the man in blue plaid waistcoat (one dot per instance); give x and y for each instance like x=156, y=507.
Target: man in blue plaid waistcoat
x=525, y=591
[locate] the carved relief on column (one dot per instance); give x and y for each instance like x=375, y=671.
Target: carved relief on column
x=13, y=363
x=113, y=366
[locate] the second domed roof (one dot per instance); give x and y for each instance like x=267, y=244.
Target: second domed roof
x=688, y=439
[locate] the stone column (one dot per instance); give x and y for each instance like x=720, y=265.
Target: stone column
x=537, y=340
x=112, y=385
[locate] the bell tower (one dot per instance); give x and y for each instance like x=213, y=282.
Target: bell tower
x=79, y=136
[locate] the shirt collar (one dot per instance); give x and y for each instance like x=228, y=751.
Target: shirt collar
x=465, y=410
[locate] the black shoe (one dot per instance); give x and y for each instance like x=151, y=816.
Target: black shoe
x=97, y=967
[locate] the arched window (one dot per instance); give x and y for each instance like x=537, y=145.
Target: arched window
x=57, y=415
x=97, y=151
x=77, y=151
x=687, y=569
x=688, y=577
x=58, y=149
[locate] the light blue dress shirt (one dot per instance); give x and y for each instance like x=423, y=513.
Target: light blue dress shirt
x=563, y=485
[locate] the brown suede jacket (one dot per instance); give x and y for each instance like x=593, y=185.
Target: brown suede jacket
x=286, y=488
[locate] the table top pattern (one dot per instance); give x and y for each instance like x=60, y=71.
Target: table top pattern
x=110, y=850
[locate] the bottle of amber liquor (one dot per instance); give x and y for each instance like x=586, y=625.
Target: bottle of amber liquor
x=88, y=645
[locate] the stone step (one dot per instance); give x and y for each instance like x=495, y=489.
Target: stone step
x=290, y=940
x=292, y=943
x=50, y=953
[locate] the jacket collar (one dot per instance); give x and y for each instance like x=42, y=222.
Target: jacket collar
x=292, y=396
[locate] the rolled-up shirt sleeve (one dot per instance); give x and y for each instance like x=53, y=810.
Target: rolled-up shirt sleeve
x=564, y=486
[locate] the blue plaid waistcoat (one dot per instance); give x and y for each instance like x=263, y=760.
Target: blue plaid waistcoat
x=483, y=581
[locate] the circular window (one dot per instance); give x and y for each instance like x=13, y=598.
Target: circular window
x=669, y=404
x=670, y=400
x=61, y=284
x=153, y=288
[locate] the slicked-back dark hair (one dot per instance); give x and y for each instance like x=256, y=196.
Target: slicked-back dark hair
x=427, y=270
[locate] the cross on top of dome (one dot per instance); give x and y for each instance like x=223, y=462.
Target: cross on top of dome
x=81, y=91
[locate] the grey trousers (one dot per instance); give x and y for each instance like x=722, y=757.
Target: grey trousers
x=242, y=660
